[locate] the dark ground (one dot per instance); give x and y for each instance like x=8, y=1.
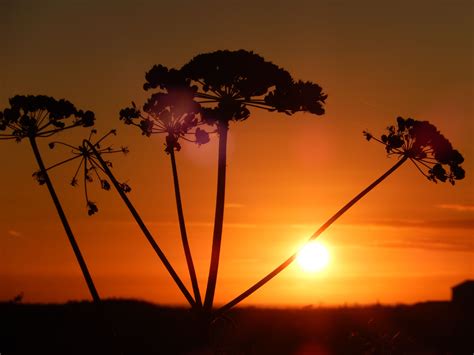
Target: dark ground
x=135, y=328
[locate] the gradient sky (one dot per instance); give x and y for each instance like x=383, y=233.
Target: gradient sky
x=409, y=240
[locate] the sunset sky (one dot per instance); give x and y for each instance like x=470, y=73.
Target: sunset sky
x=409, y=240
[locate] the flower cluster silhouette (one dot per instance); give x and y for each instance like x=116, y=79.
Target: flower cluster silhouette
x=228, y=83
x=174, y=113
x=40, y=116
x=425, y=146
x=91, y=168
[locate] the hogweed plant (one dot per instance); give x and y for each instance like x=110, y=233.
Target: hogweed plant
x=212, y=90
x=425, y=147
x=227, y=84
x=32, y=117
x=175, y=114
x=95, y=168
x=89, y=168
x=410, y=140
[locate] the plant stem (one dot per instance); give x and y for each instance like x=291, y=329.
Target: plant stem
x=142, y=226
x=182, y=228
x=222, y=129
x=67, y=228
x=321, y=229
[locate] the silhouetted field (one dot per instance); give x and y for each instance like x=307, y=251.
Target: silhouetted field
x=134, y=327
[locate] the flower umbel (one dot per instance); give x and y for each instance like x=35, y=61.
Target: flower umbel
x=89, y=166
x=228, y=83
x=40, y=116
x=173, y=113
x=425, y=146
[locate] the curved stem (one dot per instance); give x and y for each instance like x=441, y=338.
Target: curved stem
x=142, y=226
x=321, y=229
x=222, y=128
x=67, y=228
x=182, y=228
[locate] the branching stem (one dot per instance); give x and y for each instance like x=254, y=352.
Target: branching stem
x=182, y=228
x=67, y=228
x=326, y=225
x=223, y=128
x=142, y=226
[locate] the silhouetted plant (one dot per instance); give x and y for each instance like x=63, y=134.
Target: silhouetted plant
x=227, y=84
x=31, y=117
x=173, y=113
x=118, y=186
x=417, y=141
x=89, y=166
x=426, y=148
x=96, y=168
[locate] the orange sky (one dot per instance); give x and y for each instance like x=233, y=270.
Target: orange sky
x=408, y=240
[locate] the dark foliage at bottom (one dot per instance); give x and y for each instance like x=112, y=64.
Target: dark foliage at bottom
x=132, y=327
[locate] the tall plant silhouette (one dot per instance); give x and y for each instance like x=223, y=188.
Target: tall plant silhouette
x=410, y=140
x=173, y=113
x=227, y=84
x=32, y=117
x=96, y=168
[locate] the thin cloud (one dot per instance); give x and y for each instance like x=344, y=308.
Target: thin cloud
x=426, y=244
x=240, y=225
x=202, y=224
x=241, y=261
x=299, y=226
x=226, y=225
x=408, y=223
x=457, y=207
x=233, y=205
x=14, y=233
x=457, y=224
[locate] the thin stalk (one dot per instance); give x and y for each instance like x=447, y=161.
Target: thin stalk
x=142, y=226
x=182, y=228
x=321, y=229
x=67, y=228
x=222, y=128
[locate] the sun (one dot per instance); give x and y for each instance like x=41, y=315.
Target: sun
x=313, y=257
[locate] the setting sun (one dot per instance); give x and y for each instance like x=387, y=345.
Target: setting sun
x=313, y=257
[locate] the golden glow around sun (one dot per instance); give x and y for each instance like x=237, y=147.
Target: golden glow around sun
x=313, y=257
